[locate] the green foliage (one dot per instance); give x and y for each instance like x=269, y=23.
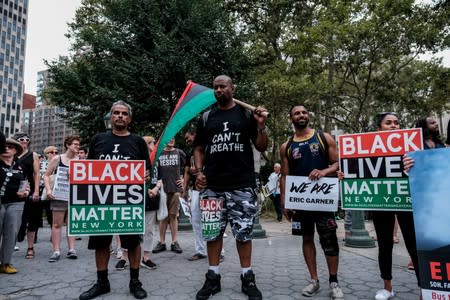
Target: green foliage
x=345, y=60
x=144, y=52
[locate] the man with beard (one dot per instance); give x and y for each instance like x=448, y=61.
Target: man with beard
x=117, y=144
x=225, y=177
x=312, y=153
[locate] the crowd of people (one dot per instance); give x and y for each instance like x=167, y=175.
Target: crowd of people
x=217, y=177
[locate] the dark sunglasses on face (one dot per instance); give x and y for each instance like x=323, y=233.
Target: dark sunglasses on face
x=23, y=139
x=10, y=147
x=52, y=152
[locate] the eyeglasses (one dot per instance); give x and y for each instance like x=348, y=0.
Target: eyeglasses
x=10, y=146
x=23, y=139
x=52, y=152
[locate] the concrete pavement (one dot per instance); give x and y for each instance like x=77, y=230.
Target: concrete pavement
x=277, y=261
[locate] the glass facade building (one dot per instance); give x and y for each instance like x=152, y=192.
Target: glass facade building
x=13, y=31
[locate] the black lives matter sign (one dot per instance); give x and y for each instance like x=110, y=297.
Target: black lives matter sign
x=106, y=197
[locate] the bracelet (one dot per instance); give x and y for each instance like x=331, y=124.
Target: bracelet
x=263, y=130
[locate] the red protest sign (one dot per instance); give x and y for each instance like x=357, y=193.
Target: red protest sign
x=380, y=143
x=107, y=172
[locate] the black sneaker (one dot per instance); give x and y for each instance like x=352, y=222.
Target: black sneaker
x=72, y=254
x=121, y=264
x=98, y=289
x=159, y=248
x=175, y=247
x=148, y=264
x=210, y=287
x=249, y=286
x=136, y=289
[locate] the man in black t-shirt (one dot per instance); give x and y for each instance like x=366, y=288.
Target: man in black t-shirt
x=226, y=177
x=118, y=144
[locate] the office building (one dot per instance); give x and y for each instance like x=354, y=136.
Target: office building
x=12, y=61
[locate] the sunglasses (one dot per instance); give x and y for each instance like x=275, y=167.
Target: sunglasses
x=10, y=147
x=52, y=152
x=23, y=139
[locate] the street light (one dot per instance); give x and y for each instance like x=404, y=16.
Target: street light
x=107, y=121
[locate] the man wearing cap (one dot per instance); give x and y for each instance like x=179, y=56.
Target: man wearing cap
x=13, y=191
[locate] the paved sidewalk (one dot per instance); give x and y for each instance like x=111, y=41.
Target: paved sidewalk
x=277, y=261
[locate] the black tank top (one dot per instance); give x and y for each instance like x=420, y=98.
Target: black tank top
x=306, y=155
x=27, y=163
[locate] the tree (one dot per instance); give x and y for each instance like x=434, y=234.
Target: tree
x=344, y=60
x=141, y=51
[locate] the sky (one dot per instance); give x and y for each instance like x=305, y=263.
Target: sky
x=47, y=24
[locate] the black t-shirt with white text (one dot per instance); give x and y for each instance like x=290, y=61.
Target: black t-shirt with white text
x=107, y=146
x=226, y=140
x=170, y=168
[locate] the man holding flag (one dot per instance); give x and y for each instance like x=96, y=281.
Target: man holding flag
x=225, y=175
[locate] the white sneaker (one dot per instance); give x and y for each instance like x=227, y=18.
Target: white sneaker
x=119, y=253
x=336, y=292
x=384, y=294
x=311, y=289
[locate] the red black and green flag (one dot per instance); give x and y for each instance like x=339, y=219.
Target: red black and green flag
x=193, y=101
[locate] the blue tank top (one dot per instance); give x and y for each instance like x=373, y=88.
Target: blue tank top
x=306, y=155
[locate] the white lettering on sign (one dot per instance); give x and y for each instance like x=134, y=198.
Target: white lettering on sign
x=122, y=172
x=117, y=192
x=355, y=146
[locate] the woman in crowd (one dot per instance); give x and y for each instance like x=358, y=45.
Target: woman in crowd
x=384, y=222
x=151, y=206
x=59, y=206
x=49, y=152
x=13, y=191
x=32, y=213
x=430, y=133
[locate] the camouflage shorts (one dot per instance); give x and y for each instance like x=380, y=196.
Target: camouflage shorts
x=239, y=207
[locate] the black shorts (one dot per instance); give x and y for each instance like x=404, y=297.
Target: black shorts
x=127, y=241
x=303, y=222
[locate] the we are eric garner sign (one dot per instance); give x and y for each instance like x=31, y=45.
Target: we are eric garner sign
x=106, y=197
x=318, y=195
x=373, y=169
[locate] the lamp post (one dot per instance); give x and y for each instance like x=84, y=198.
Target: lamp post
x=359, y=237
x=107, y=121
